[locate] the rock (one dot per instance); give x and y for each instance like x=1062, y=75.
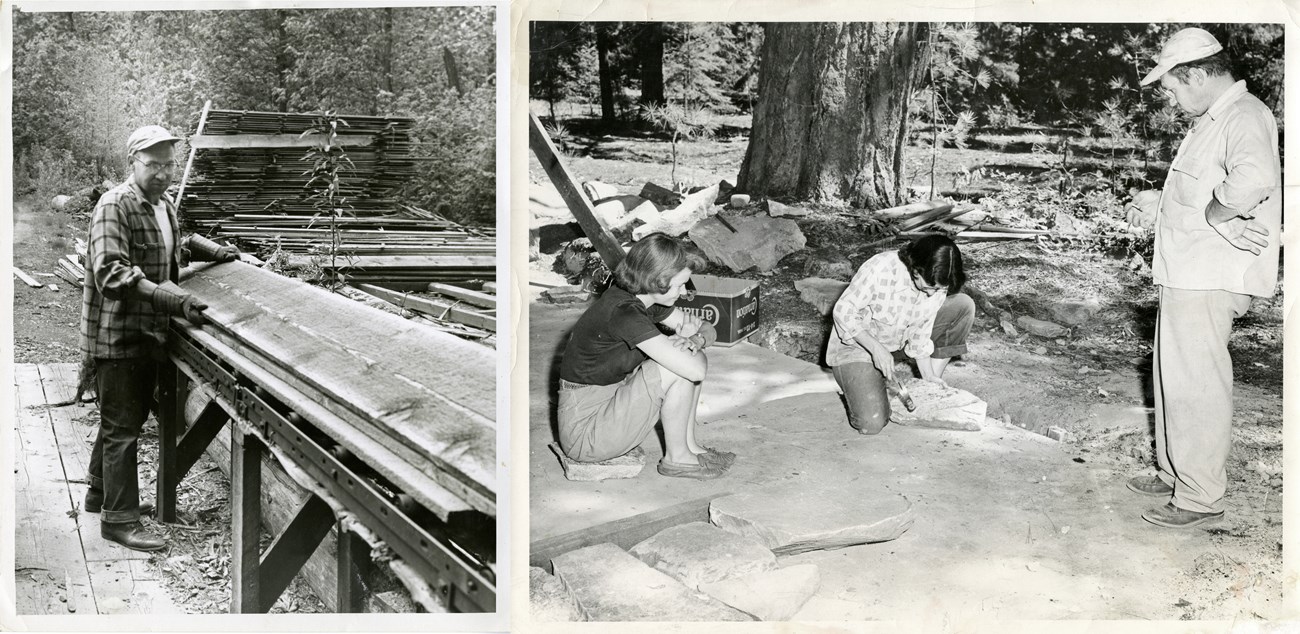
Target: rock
x=820, y=292
x=827, y=609
x=597, y=190
x=1040, y=328
x=798, y=340
x=565, y=295
x=60, y=201
x=775, y=595
x=697, y=553
x=546, y=206
x=758, y=242
x=1008, y=327
x=662, y=196
x=1040, y=350
x=827, y=262
x=739, y=200
x=939, y=407
x=793, y=517
x=608, y=584
x=628, y=465
x=680, y=219
x=1059, y=434
x=724, y=193
x=778, y=210
x=1075, y=312
x=547, y=598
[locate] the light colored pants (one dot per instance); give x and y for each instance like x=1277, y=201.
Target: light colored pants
x=1192, y=379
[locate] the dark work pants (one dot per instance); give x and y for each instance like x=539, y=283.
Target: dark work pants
x=864, y=386
x=126, y=392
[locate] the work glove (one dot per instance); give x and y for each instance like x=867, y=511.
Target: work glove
x=1142, y=210
x=205, y=250
x=169, y=299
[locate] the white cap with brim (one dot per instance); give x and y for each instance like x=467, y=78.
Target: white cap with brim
x=1184, y=46
x=148, y=136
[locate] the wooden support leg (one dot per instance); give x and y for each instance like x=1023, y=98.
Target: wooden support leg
x=190, y=447
x=173, y=387
x=246, y=521
x=292, y=548
x=354, y=568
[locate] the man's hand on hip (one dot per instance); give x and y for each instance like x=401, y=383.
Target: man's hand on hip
x=1245, y=234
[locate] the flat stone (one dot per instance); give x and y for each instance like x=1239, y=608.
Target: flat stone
x=1075, y=312
x=674, y=222
x=546, y=206
x=939, y=407
x=827, y=609
x=697, y=553
x=1040, y=328
x=547, y=598
x=775, y=595
x=759, y=242
x=822, y=293
x=794, y=517
x=778, y=210
x=565, y=295
x=608, y=584
x=628, y=465
x=597, y=190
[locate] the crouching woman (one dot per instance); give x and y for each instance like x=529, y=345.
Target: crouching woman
x=898, y=300
x=621, y=374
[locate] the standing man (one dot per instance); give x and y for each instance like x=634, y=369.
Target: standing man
x=135, y=253
x=1216, y=227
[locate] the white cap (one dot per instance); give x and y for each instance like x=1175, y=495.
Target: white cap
x=1181, y=47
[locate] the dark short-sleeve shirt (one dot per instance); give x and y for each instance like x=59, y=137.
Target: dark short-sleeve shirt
x=602, y=348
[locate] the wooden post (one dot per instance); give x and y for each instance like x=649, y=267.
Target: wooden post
x=292, y=548
x=245, y=521
x=173, y=387
x=540, y=143
x=354, y=568
x=189, y=162
x=200, y=434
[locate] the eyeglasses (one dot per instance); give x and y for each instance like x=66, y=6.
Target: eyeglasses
x=169, y=166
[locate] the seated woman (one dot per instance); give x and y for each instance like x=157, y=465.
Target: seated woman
x=905, y=299
x=620, y=374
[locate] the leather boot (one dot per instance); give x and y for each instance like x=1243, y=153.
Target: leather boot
x=132, y=535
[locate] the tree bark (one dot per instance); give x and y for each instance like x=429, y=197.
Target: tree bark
x=650, y=55
x=831, y=117
x=604, y=44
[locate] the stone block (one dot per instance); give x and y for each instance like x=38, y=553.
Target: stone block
x=607, y=584
x=793, y=517
x=775, y=595
x=758, y=242
x=628, y=465
x=1040, y=328
x=1075, y=312
x=674, y=222
x=778, y=210
x=820, y=292
x=565, y=295
x=697, y=553
x=939, y=407
x=548, y=600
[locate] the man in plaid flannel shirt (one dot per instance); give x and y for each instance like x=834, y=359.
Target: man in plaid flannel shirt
x=130, y=295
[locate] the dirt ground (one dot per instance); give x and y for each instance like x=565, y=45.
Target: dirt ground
x=1093, y=383
x=196, y=563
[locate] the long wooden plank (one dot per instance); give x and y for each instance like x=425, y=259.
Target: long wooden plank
x=427, y=390
x=437, y=308
x=476, y=298
x=27, y=279
x=624, y=533
x=485, y=263
x=226, y=141
x=48, y=559
x=540, y=143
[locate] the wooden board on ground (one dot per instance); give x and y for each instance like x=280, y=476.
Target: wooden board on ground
x=27, y=279
x=424, y=389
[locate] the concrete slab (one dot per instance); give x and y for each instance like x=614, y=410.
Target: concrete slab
x=698, y=553
x=608, y=584
x=793, y=517
x=773, y=595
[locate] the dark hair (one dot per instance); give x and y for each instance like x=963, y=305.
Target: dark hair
x=937, y=260
x=652, y=262
x=1214, y=65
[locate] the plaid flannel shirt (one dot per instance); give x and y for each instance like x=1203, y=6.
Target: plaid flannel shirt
x=124, y=234
x=883, y=301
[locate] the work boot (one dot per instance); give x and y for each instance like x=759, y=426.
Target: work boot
x=1170, y=516
x=146, y=508
x=1150, y=485
x=132, y=535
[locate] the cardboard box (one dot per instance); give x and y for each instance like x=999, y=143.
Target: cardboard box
x=730, y=304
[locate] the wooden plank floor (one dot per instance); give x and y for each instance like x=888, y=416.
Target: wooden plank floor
x=62, y=565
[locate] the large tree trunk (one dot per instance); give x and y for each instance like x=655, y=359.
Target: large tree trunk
x=604, y=45
x=831, y=117
x=650, y=55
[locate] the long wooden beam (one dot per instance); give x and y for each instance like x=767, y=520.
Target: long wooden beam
x=437, y=308
x=540, y=143
x=228, y=141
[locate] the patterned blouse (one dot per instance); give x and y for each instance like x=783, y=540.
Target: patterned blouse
x=882, y=300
